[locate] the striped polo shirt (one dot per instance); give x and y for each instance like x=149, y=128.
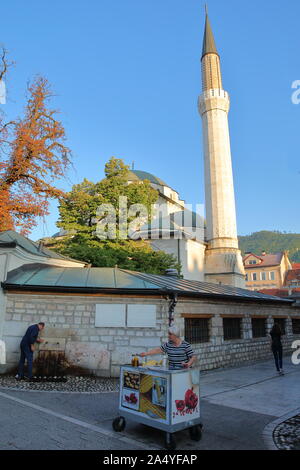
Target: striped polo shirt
x=177, y=354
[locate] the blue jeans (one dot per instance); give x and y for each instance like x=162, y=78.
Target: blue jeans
x=277, y=352
x=27, y=354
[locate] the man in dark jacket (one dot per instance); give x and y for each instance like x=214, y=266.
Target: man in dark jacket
x=27, y=348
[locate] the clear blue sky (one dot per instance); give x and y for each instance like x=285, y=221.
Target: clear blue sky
x=127, y=77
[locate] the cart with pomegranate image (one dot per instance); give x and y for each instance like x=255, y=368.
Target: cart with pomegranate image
x=165, y=399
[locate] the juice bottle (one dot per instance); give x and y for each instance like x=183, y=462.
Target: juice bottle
x=135, y=361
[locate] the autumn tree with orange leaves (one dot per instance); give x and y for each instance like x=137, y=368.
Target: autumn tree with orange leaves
x=33, y=155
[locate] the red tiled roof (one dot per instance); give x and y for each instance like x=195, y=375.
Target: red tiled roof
x=293, y=274
x=266, y=260
x=276, y=292
x=279, y=292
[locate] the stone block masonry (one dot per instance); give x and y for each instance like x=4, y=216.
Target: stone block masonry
x=70, y=327
x=71, y=321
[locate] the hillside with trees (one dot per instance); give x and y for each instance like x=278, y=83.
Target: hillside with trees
x=272, y=242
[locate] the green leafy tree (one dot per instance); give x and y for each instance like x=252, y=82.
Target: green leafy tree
x=78, y=208
x=79, y=216
x=126, y=254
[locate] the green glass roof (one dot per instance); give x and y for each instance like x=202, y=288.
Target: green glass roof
x=38, y=276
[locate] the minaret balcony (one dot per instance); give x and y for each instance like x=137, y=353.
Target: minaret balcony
x=214, y=98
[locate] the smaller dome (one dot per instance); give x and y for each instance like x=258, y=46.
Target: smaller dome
x=137, y=175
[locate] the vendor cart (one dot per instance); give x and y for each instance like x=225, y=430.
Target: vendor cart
x=161, y=398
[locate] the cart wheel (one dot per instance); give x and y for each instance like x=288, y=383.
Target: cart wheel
x=170, y=443
x=119, y=424
x=196, y=432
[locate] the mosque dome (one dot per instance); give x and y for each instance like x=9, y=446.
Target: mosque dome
x=138, y=175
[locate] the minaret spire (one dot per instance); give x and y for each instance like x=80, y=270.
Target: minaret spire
x=223, y=260
x=211, y=68
x=209, y=45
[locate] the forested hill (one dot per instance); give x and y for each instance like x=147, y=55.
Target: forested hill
x=272, y=242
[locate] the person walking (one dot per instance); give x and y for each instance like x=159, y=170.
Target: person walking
x=276, y=347
x=27, y=349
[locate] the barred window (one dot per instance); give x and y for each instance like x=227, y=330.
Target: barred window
x=296, y=326
x=196, y=330
x=281, y=323
x=258, y=327
x=232, y=328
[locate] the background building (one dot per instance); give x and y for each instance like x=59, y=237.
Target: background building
x=267, y=271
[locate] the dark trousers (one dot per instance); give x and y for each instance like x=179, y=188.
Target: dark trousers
x=27, y=354
x=277, y=352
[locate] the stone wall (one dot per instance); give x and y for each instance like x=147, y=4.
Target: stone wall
x=70, y=327
x=222, y=353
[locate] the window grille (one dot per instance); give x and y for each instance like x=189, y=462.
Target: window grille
x=232, y=328
x=258, y=327
x=196, y=330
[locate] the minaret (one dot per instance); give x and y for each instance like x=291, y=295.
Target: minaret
x=223, y=260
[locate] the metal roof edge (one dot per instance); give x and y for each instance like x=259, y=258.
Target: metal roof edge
x=16, y=242
x=158, y=291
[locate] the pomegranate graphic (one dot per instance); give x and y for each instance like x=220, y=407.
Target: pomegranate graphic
x=180, y=405
x=133, y=398
x=191, y=399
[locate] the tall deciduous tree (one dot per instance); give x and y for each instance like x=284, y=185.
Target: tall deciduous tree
x=33, y=156
x=78, y=209
x=78, y=215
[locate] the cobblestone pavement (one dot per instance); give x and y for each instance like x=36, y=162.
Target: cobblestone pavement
x=72, y=384
x=287, y=434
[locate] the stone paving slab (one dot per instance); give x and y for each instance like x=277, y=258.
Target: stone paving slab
x=237, y=406
x=266, y=393
x=27, y=426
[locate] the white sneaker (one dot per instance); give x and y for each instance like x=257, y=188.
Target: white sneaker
x=281, y=372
